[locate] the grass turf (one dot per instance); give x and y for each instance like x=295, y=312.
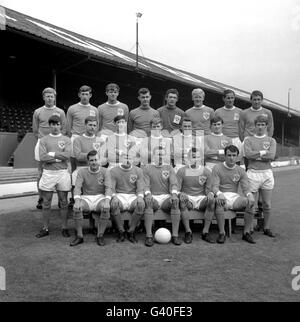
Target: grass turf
x=49, y=269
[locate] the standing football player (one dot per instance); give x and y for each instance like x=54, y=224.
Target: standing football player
x=54, y=152
x=260, y=150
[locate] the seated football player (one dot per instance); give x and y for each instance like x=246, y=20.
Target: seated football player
x=215, y=143
x=127, y=195
x=161, y=192
x=82, y=145
x=184, y=141
x=92, y=193
x=226, y=179
x=119, y=143
x=194, y=183
x=55, y=152
x=156, y=139
x=260, y=150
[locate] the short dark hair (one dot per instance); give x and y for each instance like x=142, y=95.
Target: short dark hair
x=228, y=91
x=231, y=148
x=54, y=119
x=261, y=119
x=216, y=119
x=112, y=86
x=257, y=93
x=172, y=91
x=119, y=117
x=91, y=154
x=90, y=119
x=143, y=90
x=186, y=119
x=85, y=88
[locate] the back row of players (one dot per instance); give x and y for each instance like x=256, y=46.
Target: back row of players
x=158, y=140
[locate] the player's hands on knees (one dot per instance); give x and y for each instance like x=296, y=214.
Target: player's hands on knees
x=174, y=200
x=77, y=205
x=106, y=205
x=149, y=200
x=251, y=200
x=140, y=203
x=210, y=196
x=183, y=197
x=114, y=202
x=221, y=200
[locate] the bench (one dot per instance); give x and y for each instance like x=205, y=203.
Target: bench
x=194, y=215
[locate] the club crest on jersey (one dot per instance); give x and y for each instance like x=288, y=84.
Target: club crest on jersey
x=202, y=180
x=133, y=178
x=266, y=145
x=96, y=146
x=100, y=179
x=236, y=116
x=120, y=111
x=165, y=174
x=61, y=144
x=92, y=113
x=177, y=119
x=206, y=115
x=224, y=143
x=236, y=177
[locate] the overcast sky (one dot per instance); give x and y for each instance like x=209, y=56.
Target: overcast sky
x=247, y=44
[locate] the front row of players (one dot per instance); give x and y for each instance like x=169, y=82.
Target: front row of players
x=141, y=191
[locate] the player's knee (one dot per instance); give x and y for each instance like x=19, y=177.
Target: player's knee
x=211, y=203
x=77, y=215
x=266, y=205
x=104, y=214
x=63, y=203
x=46, y=204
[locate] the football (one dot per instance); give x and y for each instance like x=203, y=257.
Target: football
x=162, y=236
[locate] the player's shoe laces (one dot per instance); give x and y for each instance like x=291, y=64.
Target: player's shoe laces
x=268, y=232
x=77, y=241
x=65, y=233
x=206, y=237
x=100, y=241
x=248, y=238
x=149, y=242
x=43, y=232
x=40, y=204
x=131, y=237
x=176, y=241
x=121, y=237
x=221, y=239
x=188, y=237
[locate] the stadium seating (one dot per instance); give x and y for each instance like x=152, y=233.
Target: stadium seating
x=15, y=119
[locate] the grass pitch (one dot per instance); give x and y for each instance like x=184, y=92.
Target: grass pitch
x=49, y=269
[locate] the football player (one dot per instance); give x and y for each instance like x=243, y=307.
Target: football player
x=92, y=194
x=54, y=152
x=194, y=182
x=260, y=150
x=226, y=179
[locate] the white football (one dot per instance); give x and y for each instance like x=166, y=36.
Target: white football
x=162, y=235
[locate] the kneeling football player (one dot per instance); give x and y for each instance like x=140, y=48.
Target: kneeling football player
x=194, y=182
x=94, y=183
x=161, y=192
x=127, y=195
